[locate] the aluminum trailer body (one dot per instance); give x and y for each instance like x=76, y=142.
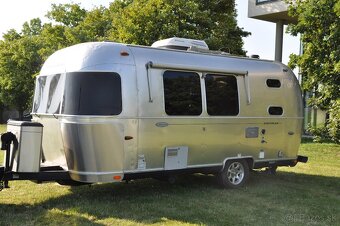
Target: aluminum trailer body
x=113, y=111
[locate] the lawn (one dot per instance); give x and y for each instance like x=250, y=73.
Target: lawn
x=308, y=194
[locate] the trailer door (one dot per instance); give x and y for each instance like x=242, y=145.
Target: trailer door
x=172, y=120
x=222, y=127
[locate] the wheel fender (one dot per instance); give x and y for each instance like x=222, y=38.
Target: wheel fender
x=249, y=160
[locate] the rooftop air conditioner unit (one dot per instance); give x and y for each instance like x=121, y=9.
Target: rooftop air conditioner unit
x=180, y=44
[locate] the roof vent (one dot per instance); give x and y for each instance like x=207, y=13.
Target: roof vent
x=255, y=56
x=180, y=44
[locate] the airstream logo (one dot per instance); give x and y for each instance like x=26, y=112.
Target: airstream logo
x=271, y=123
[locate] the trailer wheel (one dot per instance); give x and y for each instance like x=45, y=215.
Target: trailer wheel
x=235, y=174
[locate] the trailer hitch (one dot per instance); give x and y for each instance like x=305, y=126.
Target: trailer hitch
x=6, y=140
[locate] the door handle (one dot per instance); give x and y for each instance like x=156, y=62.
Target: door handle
x=162, y=124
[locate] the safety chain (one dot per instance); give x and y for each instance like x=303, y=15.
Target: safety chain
x=2, y=185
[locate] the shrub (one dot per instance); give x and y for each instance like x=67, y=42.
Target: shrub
x=320, y=134
x=333, y=124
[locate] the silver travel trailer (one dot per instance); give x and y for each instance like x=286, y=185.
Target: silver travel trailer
x=106, y=112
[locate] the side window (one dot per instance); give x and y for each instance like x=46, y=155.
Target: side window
x=39, y=95
x=182, y=93
x=273, y=83
x=54, y=95
x=275, y=110
x=222, y=95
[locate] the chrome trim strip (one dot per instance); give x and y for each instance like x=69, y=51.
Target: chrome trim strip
x=237, y=157
x=163, y=117
x=204, y=165
x=148, y=65
x=143, y=171
x=273, y=160
x=247, y=84
x=94, y=173
x=195, y=68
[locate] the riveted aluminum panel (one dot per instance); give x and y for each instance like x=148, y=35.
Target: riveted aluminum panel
x=95, y=148
x=92, y=149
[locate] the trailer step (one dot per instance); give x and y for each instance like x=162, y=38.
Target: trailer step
x=303, y=159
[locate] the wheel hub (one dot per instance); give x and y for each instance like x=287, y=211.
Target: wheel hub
x=235, y=173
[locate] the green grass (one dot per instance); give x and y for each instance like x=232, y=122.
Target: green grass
x=2, y=128
x=308, y=194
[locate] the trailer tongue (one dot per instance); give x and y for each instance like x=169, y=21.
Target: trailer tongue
x=16, y=165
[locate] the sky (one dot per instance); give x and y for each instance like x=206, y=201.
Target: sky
x=14, y=13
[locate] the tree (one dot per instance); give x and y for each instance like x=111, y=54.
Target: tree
x=32, y=28
x=52, y=38
x=19, y=62
x=76, y=25
x=146, y=21
x=319, y=26
x=67, y=14
x=11, y=35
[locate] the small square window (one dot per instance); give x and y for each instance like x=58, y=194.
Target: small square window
x=273, y=83
x=275, y=110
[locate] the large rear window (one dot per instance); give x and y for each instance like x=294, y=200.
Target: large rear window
x=92, y=93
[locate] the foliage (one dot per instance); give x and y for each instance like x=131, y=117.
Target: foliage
x=334, y=121
x=320, y=133
x=319, y=26
x=143, y=22
x=19, y=62
x=69, y=15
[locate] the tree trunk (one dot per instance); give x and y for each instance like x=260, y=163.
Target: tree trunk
x=1, y=111
x=21, y=114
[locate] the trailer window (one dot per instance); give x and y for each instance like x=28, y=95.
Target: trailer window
x=273, y=83
x=182, y=93
x=275, y=110
x=92, y=93
x=54, y=95
x=39, y=94
x=222, y=95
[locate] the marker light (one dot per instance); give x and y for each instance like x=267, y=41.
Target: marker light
x=117, y=177
x=124, y=53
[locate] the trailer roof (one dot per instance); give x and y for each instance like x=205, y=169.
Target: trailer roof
x=102, y=56
x=200, y=52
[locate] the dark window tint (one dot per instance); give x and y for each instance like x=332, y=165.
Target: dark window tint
x=54, y=95
x=182, y=93
x=264, y=1
x=273, y=83
x=222, y=95
x=39, y=95
x=92, y=93
x=275, y=110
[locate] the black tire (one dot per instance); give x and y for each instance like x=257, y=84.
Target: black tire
x=234, y=174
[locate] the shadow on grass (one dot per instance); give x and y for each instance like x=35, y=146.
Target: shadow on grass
x=194, y=199
x=306, y=140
